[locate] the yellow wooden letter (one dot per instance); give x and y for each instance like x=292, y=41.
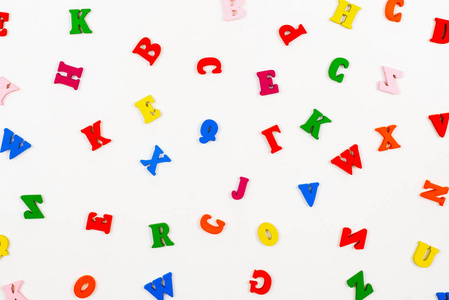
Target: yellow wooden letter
x=264, y=230
x=149, y=113
x=420, y=257
x=4, y=244
x=348, y=14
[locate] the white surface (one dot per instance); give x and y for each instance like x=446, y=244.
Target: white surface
x=306, y=263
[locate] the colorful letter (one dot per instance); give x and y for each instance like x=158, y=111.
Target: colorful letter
x=289, y=33
x=268, y=234
x=12, y=142
x=352, y=158
x=160, y=233
x=158, y=290
x=309, y=192
x=210, y=228
x=209, y=61
x=71, y=71
x=389, y=10
x=144, y=47
x=443, y=296
x=389, y=142
x=6, y=87
x=268, y=133
x=361, y=291
x=30, y=201
x=435, y=192
x=148, y=112
x=237, y=195
x=100, y=224
x=314, y=123
x=93, y=134
x=440, y=35
x=440, y=123
x=4, y=244
x=424, y=255
x=12, y=291
x=4, y=17
x=79, y=22
x=86, y=292
x=152, y=163
x=358, y=238
x=390, y=86
x=333, y=69
x=265, y=288
x=233, y=10
x=342, y=11
x=266, y=83
x=209, y=129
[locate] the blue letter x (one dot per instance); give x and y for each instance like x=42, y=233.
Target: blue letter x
x=152, y=163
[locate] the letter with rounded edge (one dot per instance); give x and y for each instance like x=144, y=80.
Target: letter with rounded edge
x=86, y=292
x=209, y=61
x=424, y=255
x=233, y=9
x=4, y=17
x=265, y=288
x=264, y=230
x=237, y=195
x=440, y=35
x=145, y=51
x=4, y=244
x=335, y=65
x=209, y=129
x=210, y=228
x=288, y=33
x=389, y=10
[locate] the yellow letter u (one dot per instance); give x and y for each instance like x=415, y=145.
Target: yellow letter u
x=424, y=255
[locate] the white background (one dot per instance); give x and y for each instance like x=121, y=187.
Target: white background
x=307, y=263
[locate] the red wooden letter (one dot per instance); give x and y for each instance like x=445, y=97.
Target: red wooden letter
x=288, y=33
x=209, y=61
x=435, y=192
x=440, y=123
x=268, y=133
x=97, y=223
x=210, y=228
x=4, y=17
x=358, y=238
x=147, y=48
x=440, y=35
x=350, y=160
x=93, y=134
x=266, y=282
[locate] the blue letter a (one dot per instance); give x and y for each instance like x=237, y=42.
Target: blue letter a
x=309, y=192
x=159, y=290
x=14, y=143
